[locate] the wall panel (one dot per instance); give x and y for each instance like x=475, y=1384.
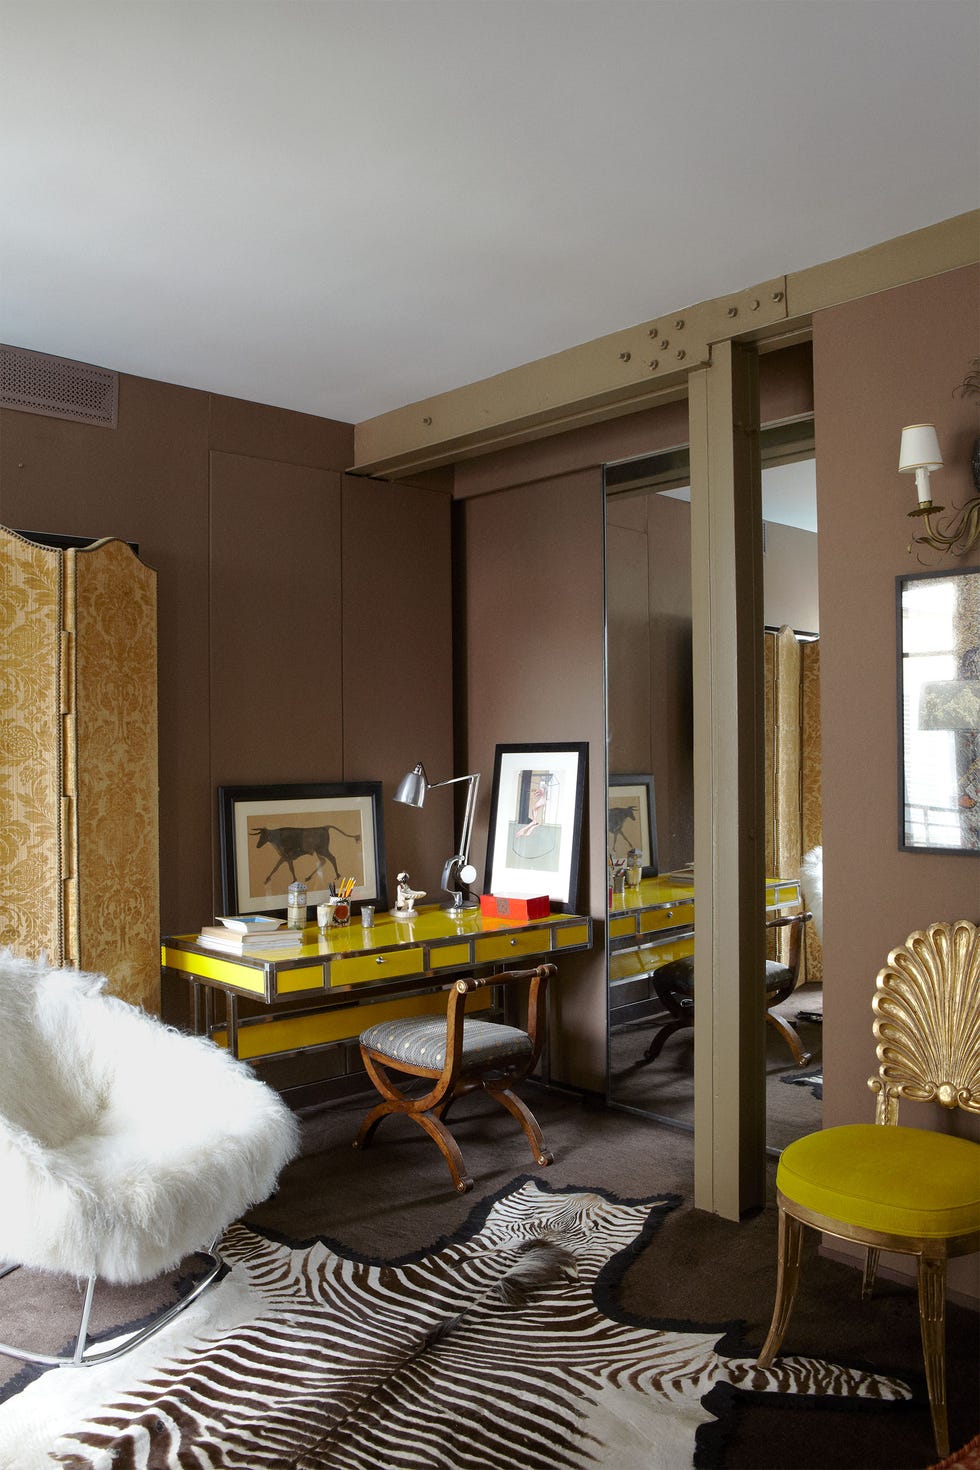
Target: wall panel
x=397, y=665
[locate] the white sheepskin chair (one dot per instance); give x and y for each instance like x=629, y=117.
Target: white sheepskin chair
x=125, y=1146
x=811, y=882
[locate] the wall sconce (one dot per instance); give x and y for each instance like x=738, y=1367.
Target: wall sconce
x=920, y=455
x=458, y=872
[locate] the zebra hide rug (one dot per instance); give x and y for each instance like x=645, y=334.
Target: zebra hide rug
x=489, y=1352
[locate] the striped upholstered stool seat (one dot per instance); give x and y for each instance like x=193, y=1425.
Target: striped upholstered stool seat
x=421, y=1042
x=458, y=1054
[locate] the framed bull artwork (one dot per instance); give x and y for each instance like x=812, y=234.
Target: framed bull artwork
x=321, y=835
x=632, y=821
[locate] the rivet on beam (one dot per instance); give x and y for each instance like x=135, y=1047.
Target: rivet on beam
x=427, y=421
x=665, y=343
x=654, y=364
x=777, y=296
x=681, y=354
x=754, y=305
x=679, y=324
x=625, y=356
x=733, y=311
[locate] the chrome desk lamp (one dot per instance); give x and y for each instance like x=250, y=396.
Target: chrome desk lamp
x=458, y=872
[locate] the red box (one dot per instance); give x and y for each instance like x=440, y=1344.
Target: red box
x=494, y=906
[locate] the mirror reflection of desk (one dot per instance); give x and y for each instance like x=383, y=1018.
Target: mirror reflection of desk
x=331, y=985
x=652, y=924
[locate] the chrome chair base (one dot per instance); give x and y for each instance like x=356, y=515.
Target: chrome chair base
x=86, y=1354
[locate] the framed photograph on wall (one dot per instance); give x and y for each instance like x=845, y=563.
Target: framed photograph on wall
x=938, y=616
x=535, y=830
x=632, y=821
x=318, y=834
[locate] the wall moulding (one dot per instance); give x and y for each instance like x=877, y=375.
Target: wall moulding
x=638, y=367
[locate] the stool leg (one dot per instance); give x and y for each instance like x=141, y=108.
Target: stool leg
x=932, y=1325
x=520, y=1111
x=447, y=1146
x=787, y=1279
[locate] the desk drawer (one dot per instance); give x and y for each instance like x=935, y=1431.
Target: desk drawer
x=671, y=917
x=637, y=964
x=511, y=946
x=281, y=1034
x=389, y=965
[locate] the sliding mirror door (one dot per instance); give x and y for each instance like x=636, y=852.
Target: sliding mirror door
x=649, y=618
x=651, y=781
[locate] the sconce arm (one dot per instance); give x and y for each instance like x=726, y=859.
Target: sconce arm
x=963, y=527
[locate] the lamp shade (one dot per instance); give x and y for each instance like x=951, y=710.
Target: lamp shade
x=920, y=449
x=412, y=788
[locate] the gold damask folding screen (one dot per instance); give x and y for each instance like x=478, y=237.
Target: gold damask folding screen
x=79, y=825
x=793, y=810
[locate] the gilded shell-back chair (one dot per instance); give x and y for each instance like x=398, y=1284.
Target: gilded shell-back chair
x=891, y=1188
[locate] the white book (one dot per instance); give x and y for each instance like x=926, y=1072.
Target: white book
x=249, y=923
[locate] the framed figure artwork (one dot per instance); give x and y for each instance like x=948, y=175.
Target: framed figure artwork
x=535, y=830
x=632, y=821
x=319, y=834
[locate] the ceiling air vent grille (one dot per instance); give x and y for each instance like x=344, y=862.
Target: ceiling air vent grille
x=38, y=383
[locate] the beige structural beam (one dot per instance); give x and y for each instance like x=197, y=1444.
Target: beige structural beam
x=729, y=779
x=635, y=368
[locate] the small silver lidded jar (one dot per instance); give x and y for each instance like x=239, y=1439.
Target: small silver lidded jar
x=296, y=906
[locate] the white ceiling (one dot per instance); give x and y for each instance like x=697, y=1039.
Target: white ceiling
x=342, y=206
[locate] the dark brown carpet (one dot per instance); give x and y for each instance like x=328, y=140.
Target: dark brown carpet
x=396, y=1197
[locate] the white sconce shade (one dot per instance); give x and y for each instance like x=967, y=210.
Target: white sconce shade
x=920, y=454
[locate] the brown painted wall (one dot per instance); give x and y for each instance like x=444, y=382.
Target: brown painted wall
x=532, y=570
x=284, y=596
x=879, y=363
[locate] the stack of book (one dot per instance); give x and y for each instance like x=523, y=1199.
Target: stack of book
x=248, y=934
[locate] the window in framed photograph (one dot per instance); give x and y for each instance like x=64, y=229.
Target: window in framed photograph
x=316, y=834
x=535, y=829
x=632, y=821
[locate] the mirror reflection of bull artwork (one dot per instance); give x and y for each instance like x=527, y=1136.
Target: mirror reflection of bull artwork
x=618, y=817
x=292, y=843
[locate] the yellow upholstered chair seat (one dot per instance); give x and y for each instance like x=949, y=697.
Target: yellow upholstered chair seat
x=896, y=1181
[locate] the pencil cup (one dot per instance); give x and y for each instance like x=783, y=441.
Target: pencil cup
x=341, y=914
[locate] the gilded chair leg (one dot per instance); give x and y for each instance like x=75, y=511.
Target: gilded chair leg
x=932, y=1324
x=519, y=1110
x=787, y=1279
x=870, y=1271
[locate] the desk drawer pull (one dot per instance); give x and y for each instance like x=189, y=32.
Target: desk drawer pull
x=379, y=959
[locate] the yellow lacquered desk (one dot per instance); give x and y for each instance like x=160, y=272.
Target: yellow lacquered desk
x=331, y=986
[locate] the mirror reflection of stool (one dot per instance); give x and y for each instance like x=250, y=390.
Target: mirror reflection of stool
x=674, y=986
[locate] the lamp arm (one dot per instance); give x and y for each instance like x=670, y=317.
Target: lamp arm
x=469, y=812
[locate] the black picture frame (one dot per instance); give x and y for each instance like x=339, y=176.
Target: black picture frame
x=937, y=616
x=534, y=835
x=634, y=796
x=350, y=813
